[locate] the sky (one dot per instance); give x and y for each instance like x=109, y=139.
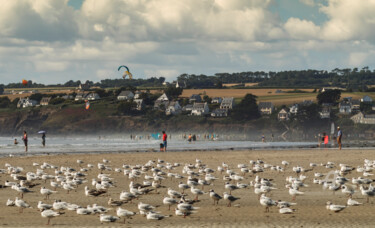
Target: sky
x=55, y=41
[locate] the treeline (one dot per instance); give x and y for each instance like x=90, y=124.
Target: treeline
x=350, y=79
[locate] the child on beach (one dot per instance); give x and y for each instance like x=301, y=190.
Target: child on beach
x=24, y=139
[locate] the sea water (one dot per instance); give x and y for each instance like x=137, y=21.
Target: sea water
x=96, y=144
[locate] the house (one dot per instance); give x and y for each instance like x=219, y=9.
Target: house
x=366, y=99
x=283, y=115
x=227, y=103
x=266, y=108
x=219, y=113
x=45, y=101
x=162, y=102
x=80, y=96
x=137, y=94
x=187, y=108
x=293, y=109
x=326, y=111
x=345, y=107
x=363, y=119
x=195, y=98
x=216, y=100
x=307, y=102
x=200, y=109
x=140, y=104
x=125, y=95
x=26, y=102
x=173, y=108
x=356, y=104
x=93, y=97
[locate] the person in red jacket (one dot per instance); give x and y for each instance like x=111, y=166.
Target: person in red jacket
x=165, y=141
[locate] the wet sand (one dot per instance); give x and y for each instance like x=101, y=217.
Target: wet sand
x=246, y=212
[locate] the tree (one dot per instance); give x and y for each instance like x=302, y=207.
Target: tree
x=173, y=92
x=4, y=102
x=329, y=96
x=247, y=109
x=1, y=89
x=37, y=97
x=126, y=107
x=207, y=99
x=307, y=113
x=57, y=100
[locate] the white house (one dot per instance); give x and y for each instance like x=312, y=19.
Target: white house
x=140, y=104
x=293, y=109
x=345, y=107
x=200, y=109
x=195, y=98
x=366, y=99
x=80, y=96
x=125, y=95
x=137, y=94
x=227, y=103
x=161, y=102
x=45, y=101
x=219, y=113
x=93, y=97
x=326, y=112
x=24, y=103
x=173, y=108
x=363, y=119
x=283, y=115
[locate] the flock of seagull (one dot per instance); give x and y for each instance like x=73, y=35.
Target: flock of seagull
x=149, y=178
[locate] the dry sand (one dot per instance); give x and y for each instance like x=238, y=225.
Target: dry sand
x=311, y=211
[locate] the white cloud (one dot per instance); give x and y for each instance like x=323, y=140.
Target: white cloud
x=308, y=2
x=302, y=29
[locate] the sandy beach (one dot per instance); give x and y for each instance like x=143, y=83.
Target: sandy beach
x=246, y=212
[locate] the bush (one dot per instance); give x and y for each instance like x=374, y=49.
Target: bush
x=57, y=100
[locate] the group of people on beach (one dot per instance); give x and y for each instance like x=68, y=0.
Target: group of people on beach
x=324, y=139
x=25, y=140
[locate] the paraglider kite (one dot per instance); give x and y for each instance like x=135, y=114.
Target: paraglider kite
x=24, y=82
x=127, y=72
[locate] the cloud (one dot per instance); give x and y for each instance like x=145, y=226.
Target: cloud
x=308, y=2
x=302, y=29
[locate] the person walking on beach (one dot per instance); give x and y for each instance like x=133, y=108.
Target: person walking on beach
x=24, y=139
x=44, y=139
x=165, y=141
x=339, y=136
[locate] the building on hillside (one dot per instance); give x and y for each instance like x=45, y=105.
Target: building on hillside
x=345, y=107
x=162, y=102
x=266, y=108
x=227, y=103
x=181, y=84
x=26, y=102
x=366, y=99
x=293, y=109
x=283, y=115
x=187, y=108
x=326, y=111
x=68, y=97
x=356, y=104
x=363, y=119
x=93, y=97
x=216, y=100
x=125, y=95
x=140, y=104
x=45, y=101
x=200, y=109
x=81, y=96
x=219, y=113
x=195, y=98
x=137, y=94
x=173, y=108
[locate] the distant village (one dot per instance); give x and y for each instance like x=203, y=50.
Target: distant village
x=220, y=106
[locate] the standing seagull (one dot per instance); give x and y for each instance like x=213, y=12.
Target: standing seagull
x=216, y=197
x=124, y=213
x=46, y=191
x=49, y=214
x=230, y=198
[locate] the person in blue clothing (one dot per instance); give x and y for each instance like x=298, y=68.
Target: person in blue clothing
x=339, y=136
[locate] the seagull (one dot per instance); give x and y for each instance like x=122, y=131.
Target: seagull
x=267, y=202
x=49, y=214
x=154, y=216
x=183, y=186
x=196, y=192
x=94, y=192
x=186, y=208
x=21, y=189
x=282, y=204
x=108, y=218
x=10, y=203
x=112, y=202
x=46, y=191
x=334, y=208
x=145, y=207
x=128, y=196
x=174, y=194
x=230, y=198
x=230, y=187
x=367, y=192
x=286, y=210
x=294, y=192
x=216, y=197
x=43, y=206
x=352, y=202
x=346, y=190
x=169, y=201
x=21, y=204
x=124, y=213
